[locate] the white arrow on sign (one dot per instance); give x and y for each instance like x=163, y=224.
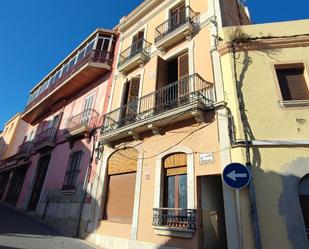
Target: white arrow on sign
x=233, y=175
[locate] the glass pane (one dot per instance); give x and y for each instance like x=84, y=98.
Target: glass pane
x=90, y=47
x=72, y=62
x=81, y=55
x=99, y=44
x=170, y=191
x=182, y=191
x=105, y=44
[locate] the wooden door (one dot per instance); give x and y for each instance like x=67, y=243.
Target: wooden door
x=137, y=42
x=183, y=75
x=161, y=96
x=39, y=182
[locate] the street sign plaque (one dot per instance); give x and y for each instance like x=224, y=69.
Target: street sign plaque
x=236, y=175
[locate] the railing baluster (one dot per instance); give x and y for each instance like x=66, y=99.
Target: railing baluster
x=184, y=91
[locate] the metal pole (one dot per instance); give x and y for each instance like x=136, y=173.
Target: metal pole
x=240, y=235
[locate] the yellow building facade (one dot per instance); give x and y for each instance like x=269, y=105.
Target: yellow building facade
x=265, y=77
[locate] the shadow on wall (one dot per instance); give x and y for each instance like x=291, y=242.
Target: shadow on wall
x=278, y=191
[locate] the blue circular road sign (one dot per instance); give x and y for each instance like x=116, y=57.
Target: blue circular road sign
x=236, y=175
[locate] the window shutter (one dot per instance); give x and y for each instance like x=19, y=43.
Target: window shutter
x=183, y=65
x=161, y=73
x=293, y=85
x=134, y=88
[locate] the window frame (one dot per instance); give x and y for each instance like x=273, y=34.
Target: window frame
x=290, y=104
x=72, y=171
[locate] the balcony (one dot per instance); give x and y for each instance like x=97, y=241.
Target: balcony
x=24, y=150
x=82, y=124
x=184, y=99
x=176, y=28
x=94, y=64
x=20, y=158
x=45, y=140
x=133, y=56
x=174, y=222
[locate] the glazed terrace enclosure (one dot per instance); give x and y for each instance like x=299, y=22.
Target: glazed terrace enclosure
x=88, y=62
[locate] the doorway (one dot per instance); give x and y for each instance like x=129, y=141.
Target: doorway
x=212, y=210
x=16, y=185
x=4, y=177
x=39, y=182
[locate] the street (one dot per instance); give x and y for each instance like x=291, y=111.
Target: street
x=20, y=231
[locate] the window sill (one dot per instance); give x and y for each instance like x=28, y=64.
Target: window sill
x=294, y=103
x=174, y=232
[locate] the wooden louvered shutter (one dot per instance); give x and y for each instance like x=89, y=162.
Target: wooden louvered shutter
x=133, y=96
x=161, y=80
x=176, y=164
x=183, y=73
x=183, y=65
x=293, y=85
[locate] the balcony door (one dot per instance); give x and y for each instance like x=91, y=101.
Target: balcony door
x=130, y=100
x=39, y=182
x=177, y=16
x=87, y=111
x=137, y=43
x=172, y=80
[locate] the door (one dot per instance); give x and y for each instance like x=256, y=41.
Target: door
x=210, y=194
x=183, y=75
x=130, y=100
x=162, y=72
x=16, y=185
x=178, y=16
x=4, y=177
x=86, y=115
x=39, y=182
x=137, y=43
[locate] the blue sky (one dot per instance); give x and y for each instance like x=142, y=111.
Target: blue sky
x=37, y=34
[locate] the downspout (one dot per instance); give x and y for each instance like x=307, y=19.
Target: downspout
x=248, y=144
x=87, y=176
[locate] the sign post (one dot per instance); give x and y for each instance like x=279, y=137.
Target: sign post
x=237, y=176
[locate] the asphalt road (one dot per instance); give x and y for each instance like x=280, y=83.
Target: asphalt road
x=18, y=230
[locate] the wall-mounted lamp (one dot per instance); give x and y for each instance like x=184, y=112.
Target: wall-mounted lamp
x=99, y=151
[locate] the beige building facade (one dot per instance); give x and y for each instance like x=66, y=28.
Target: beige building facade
x=159, y=184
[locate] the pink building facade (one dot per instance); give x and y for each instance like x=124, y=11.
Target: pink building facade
x=64, y=113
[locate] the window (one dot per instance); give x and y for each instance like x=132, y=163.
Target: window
x=177, y=16
x=87, y=108
x=122, y=166
x=292, y=82
x=175, y=181
x=72, y=171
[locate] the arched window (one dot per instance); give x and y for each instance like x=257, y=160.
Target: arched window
x=175, y=181
x=304, y=200
x=121, y=170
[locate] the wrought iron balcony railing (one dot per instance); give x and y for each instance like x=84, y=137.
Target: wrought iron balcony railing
x=140, y=46
x=174, y=218
x=25, y=148
x=45, y=136
x=95, y=55
x=88, y=119
x=187, y=15
x=188, y=90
